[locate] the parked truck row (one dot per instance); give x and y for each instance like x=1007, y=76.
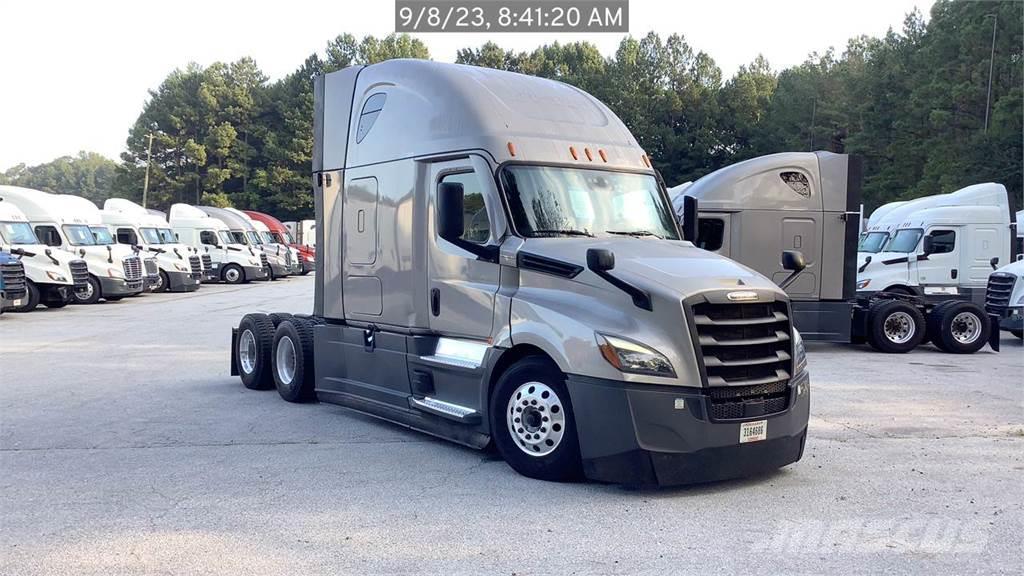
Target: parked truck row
x=57, y=249
x=922, y=269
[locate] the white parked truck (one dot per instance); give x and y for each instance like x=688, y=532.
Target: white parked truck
x=1004, y=298
x=180, y=266
x=52, y=277
x=231, y=262
x=283, y=255
x=498, y=262
x=114, y=271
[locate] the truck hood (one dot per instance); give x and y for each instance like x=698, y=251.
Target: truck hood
x=661, y=265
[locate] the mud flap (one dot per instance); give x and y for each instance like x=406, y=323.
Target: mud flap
x=234, y=351
x=994, y=332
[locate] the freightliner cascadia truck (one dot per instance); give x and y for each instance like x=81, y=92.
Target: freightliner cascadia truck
x=499, y=263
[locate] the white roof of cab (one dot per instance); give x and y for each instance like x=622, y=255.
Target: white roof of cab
x=435, y=108
x=39, y=206
x=188, y=216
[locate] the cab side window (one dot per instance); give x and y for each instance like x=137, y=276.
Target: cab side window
x=208, y=237
x=477, y=226
x=943, y=241
x=126, y=236
x=48, y=235
x=710, y=233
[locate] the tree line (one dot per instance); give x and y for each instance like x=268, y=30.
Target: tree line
x=915, y=104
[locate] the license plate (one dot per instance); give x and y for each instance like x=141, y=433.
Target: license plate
x=753, y=431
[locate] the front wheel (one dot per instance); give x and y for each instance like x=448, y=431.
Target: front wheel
x=162, y=282
x=30, y=299
x=232, y=274
x=532, y=421
x=92, y=292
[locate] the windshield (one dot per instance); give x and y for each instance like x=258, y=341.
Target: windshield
x=550, y=201
x=150, y=235
x=872, y=242
x=239, y=238
x=226, y=237
x=283, y=239
x=167, y=236
x=268, y=237
x=79, y=234
x=905, y=240
x=254, y=237
x=18, y=233
x=101, y=235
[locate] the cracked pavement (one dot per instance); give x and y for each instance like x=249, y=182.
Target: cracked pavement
x=126, y=448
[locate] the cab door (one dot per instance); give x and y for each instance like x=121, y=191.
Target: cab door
x=942, y=266
x=461, y=285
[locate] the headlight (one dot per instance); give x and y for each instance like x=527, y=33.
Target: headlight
x=115, y=273
x=799, y=353
x=56, y=277
x=861, y=284
x=628, y=356
x=254, y=262
x=181, y=267
x=1020, y=300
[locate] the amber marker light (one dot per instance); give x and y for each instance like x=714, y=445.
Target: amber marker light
x=572, y=150
x=512, y=149
x=589, y=155
x=600, y=152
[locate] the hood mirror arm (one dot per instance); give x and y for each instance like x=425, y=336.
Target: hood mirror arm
x=110, y=255
x=600, y=261
x=792, y=260
x=865, y=265
x=49, y=255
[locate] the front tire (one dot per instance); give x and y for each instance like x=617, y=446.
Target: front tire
x=163, y=281
x=895, y=327
x=31, y=297
x=254, y=346
x=532, y=421
x=92, y=294
x=292, y=360
x=960, y=328
x=232, y=274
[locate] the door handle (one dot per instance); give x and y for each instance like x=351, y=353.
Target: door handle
x=953, y=273
x=435, y=301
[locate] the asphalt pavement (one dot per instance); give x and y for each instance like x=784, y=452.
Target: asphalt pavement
x=127, y=448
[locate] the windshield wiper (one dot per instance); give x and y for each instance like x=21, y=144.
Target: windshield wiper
x=634, y=233
x=565, y=232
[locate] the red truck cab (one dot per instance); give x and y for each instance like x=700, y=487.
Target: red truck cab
x=307, y=255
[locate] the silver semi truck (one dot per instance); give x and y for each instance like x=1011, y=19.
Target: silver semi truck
x=499, y=263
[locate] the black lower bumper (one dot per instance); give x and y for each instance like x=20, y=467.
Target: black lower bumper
x=120, y=287
x=181, y=281
x=1012, y=320
x=256, y=273
x=308, y=266
x=660, y=435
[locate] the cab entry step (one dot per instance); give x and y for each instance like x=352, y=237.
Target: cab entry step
x=446, y=409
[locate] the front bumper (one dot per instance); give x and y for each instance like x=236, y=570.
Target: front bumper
x=120, y=286
x=659, y=435
x=308, y=266
x=1012, y=319
x=280, y=270
x=256, y=273
x=181, y=281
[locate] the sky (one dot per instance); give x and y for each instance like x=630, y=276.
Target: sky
x=75, y=75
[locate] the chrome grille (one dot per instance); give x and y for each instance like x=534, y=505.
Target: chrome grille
x=195, y=265
x=288, y=257
x=13, y=274
x=207, y=263
x=1000, y=287
x=132, y=268
x=264, y=262
x=151, y=267
x=746, y=357
x=79, y=274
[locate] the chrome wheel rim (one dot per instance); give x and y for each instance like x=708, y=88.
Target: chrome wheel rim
x=536, y=419
x=285, y=360
x=87, y=294
x=247, y=351
x=159, y=282
x=231, y=275
x=899, y=327
x=966, y=327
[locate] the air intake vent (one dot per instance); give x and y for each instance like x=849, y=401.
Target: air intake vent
x=548, y=265
x=79, y=274
x=195, y=265
x=746, y=356
x=1000, y=287
x=13, y=274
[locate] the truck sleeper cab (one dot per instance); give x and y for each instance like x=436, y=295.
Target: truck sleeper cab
x=61, y=222
x=231, y=262
x=509, y=270
x=244, y=233
x=52, y=277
